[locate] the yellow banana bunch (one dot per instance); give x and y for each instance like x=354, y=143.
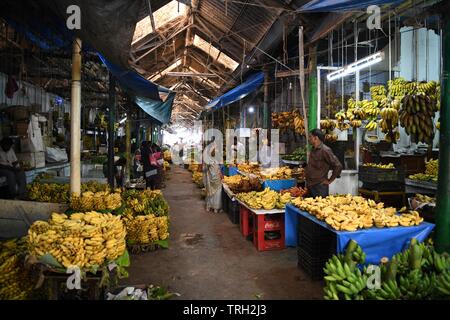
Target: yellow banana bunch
x=143, y=230
x=83, y=240
x=349, y=213
x=89, y=201
x=267, y=199
x=379, y=165
x=372, y=125
x=378, y=93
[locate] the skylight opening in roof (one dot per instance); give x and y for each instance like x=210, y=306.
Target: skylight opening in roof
x=161, y=74
x=215, y=53
x=164, y=15
x=211, y=83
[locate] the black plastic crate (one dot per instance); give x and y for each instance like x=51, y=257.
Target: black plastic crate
x=234, y=211
x=321, y=247
x=376, y=175
x=310, y=228
x=225, y=201
x=384, y=186
x=311, y=265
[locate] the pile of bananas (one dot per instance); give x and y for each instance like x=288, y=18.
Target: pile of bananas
x=15, y=281
x=349, y=213
x=167, y=155
x=239, y=184
x=417, y=273
x=194, y=167
x=60, y=193
x=147, y=202
x=197, y=178
x=416, y=116
x=252, y=168
x=431, y=172
x=285, y=121
x=49, y=192
x=424, y=199
x=379, y=165
x=281, y=173
x=83, y=239
x=378, y=93
x=143, y=230
x=355, y=114
x=99, y=201
x=267, y=199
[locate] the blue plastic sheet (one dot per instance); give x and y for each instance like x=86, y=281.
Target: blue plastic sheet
x=278, y=185
x=342, y=5
x=161, y=111
x=375, y=242
x=251, y=84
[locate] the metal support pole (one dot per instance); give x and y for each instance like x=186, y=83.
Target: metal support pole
x=443, y=189
x=75, y=119
x=266, y=115
x=357, y=131
x=111, y=122
x=128, y=146
x=313, y=114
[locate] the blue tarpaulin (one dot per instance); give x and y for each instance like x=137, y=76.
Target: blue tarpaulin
x=342, y=5
x=145, y=93
x=375, y=242
x=240, y=92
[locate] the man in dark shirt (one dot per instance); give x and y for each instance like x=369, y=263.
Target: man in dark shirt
x=321, y=161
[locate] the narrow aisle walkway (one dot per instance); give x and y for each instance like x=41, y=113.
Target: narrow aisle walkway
x=209, y=259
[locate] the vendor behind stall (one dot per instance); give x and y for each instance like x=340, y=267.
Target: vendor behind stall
x=9, y=168
x=321, y=161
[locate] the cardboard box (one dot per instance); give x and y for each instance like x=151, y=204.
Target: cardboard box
x=39, y=159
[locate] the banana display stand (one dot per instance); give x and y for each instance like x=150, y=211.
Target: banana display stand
x=376, y=242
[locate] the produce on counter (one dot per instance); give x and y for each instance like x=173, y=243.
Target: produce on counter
x=239, y=184
x=349, y=213
x=431, y=172
x=281, y=173
x=15, y=281
x=267, y=199
x=379, y=165
x=424, y=199
x=414, y=274
x=83, y=239
x=252, y=168
x=295, y=192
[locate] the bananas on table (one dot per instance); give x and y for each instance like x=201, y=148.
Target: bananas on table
x=83, y=239
x=349, y=213
x=281, y=173
x=431, y=172
x=267, y=199
x=379, y=165
x=143, y=230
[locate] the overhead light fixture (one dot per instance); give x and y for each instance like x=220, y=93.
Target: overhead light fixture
x=251, y=109
x=123, y=120
x=356, y=66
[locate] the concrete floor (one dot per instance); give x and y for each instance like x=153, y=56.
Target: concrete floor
x=209, y=258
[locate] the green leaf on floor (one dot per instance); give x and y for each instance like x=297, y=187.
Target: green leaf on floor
x=258, y=296
x=163, y=243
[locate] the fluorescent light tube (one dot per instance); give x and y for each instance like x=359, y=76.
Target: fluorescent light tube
x=356, y=66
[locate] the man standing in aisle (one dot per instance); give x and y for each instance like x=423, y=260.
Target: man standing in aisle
x=321, y=162
x=9, y=168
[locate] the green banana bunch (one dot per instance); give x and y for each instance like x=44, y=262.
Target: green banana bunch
x=417, y=285
x=388, y=290
x=443, y=284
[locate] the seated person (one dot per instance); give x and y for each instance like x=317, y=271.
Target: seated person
x=9, y=168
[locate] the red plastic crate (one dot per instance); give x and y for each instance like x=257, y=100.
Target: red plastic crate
x=246, y=221
x=268, y=223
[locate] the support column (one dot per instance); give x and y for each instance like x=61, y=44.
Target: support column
x=111, y=122
x=267, y=121
x=313, y=106
x=128, y=146
x=75, y=119
x=443, y=189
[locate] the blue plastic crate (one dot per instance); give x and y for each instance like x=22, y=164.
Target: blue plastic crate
x=278, y=185
x=232, y=171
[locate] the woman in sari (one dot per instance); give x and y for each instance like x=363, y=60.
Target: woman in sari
x=213, y=178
